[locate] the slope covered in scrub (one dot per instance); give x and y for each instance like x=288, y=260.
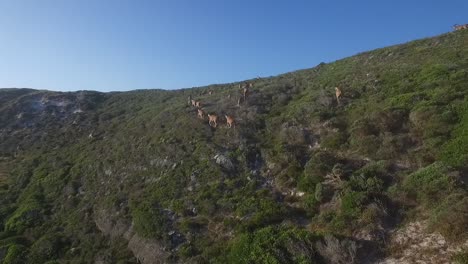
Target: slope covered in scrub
x=135, y=176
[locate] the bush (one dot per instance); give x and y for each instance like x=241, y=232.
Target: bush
x=16, y=254
x=455, y=151
x=461, y=258
x=260, y=211
x=337, y=251
x=273, y=245
x=48, y=247
x=432, y=121
x=429, y=185
x=352, y=203
x=149, y=220
x=334, y=140
x=28, y=214
x=315, y=170
x=366, y=145
x=291, y=175
x=450, y=218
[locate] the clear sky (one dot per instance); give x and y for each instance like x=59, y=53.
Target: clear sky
x=111, y=45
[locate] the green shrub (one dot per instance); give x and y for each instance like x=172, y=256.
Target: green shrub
x=352, y=203
x=366, y=145
x=450, y=217
x=455, y=151
x=48, y=247
x=369, y=179
x=431, y=121
x=318, y=195
x=16, y=254
x=273, y=245
x=149, y=220
x=315, y=170
x=334, y=140
x=28, y=214
x=430, y=184
x=461, y=258
x=291, y=175
x=260, y=211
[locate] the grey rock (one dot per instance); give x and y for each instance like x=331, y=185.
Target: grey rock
x=224, y=162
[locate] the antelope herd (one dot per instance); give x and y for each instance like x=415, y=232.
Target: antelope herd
x=245, y=91
x=457, y=27
x=213, y=118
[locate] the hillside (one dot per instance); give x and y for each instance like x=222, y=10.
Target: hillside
x=136, y=177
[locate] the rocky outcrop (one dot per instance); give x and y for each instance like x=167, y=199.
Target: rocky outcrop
x=224, y=162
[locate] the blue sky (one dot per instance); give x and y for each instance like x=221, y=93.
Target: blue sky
x=136, y=44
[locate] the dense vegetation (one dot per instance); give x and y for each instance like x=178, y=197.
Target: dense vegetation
x=121, y=177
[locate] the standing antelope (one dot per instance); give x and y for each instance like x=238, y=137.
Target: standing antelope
x=213, y=119
x=210, y=92
x=194, y=103
x=229, y=121
x=201, y=113
x=338, y=94
x=198, y=104
x=460, y=27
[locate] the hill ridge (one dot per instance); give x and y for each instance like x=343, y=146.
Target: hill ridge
x=137, y=177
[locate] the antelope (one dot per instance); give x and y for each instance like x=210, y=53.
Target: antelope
x=212, y=119
x=198, y=104
x=244, y=92
x=337, y=94
x=460, y=27
x=194, y=103
x=201, y=113
x=210, y=92
x=229, y=121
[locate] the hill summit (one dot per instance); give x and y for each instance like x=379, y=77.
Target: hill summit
x=374, y=174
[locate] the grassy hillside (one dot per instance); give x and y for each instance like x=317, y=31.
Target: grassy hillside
x=136, y=176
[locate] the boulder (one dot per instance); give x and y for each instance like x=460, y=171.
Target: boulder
x=224, y=162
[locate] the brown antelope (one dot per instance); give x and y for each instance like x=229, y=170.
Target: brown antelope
x=212, y=120
x=460, y=27
x=245, y=92
x=229, y=121
x=201, y=113
x=194, y=103
x=338, y=94
x=198, y=104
